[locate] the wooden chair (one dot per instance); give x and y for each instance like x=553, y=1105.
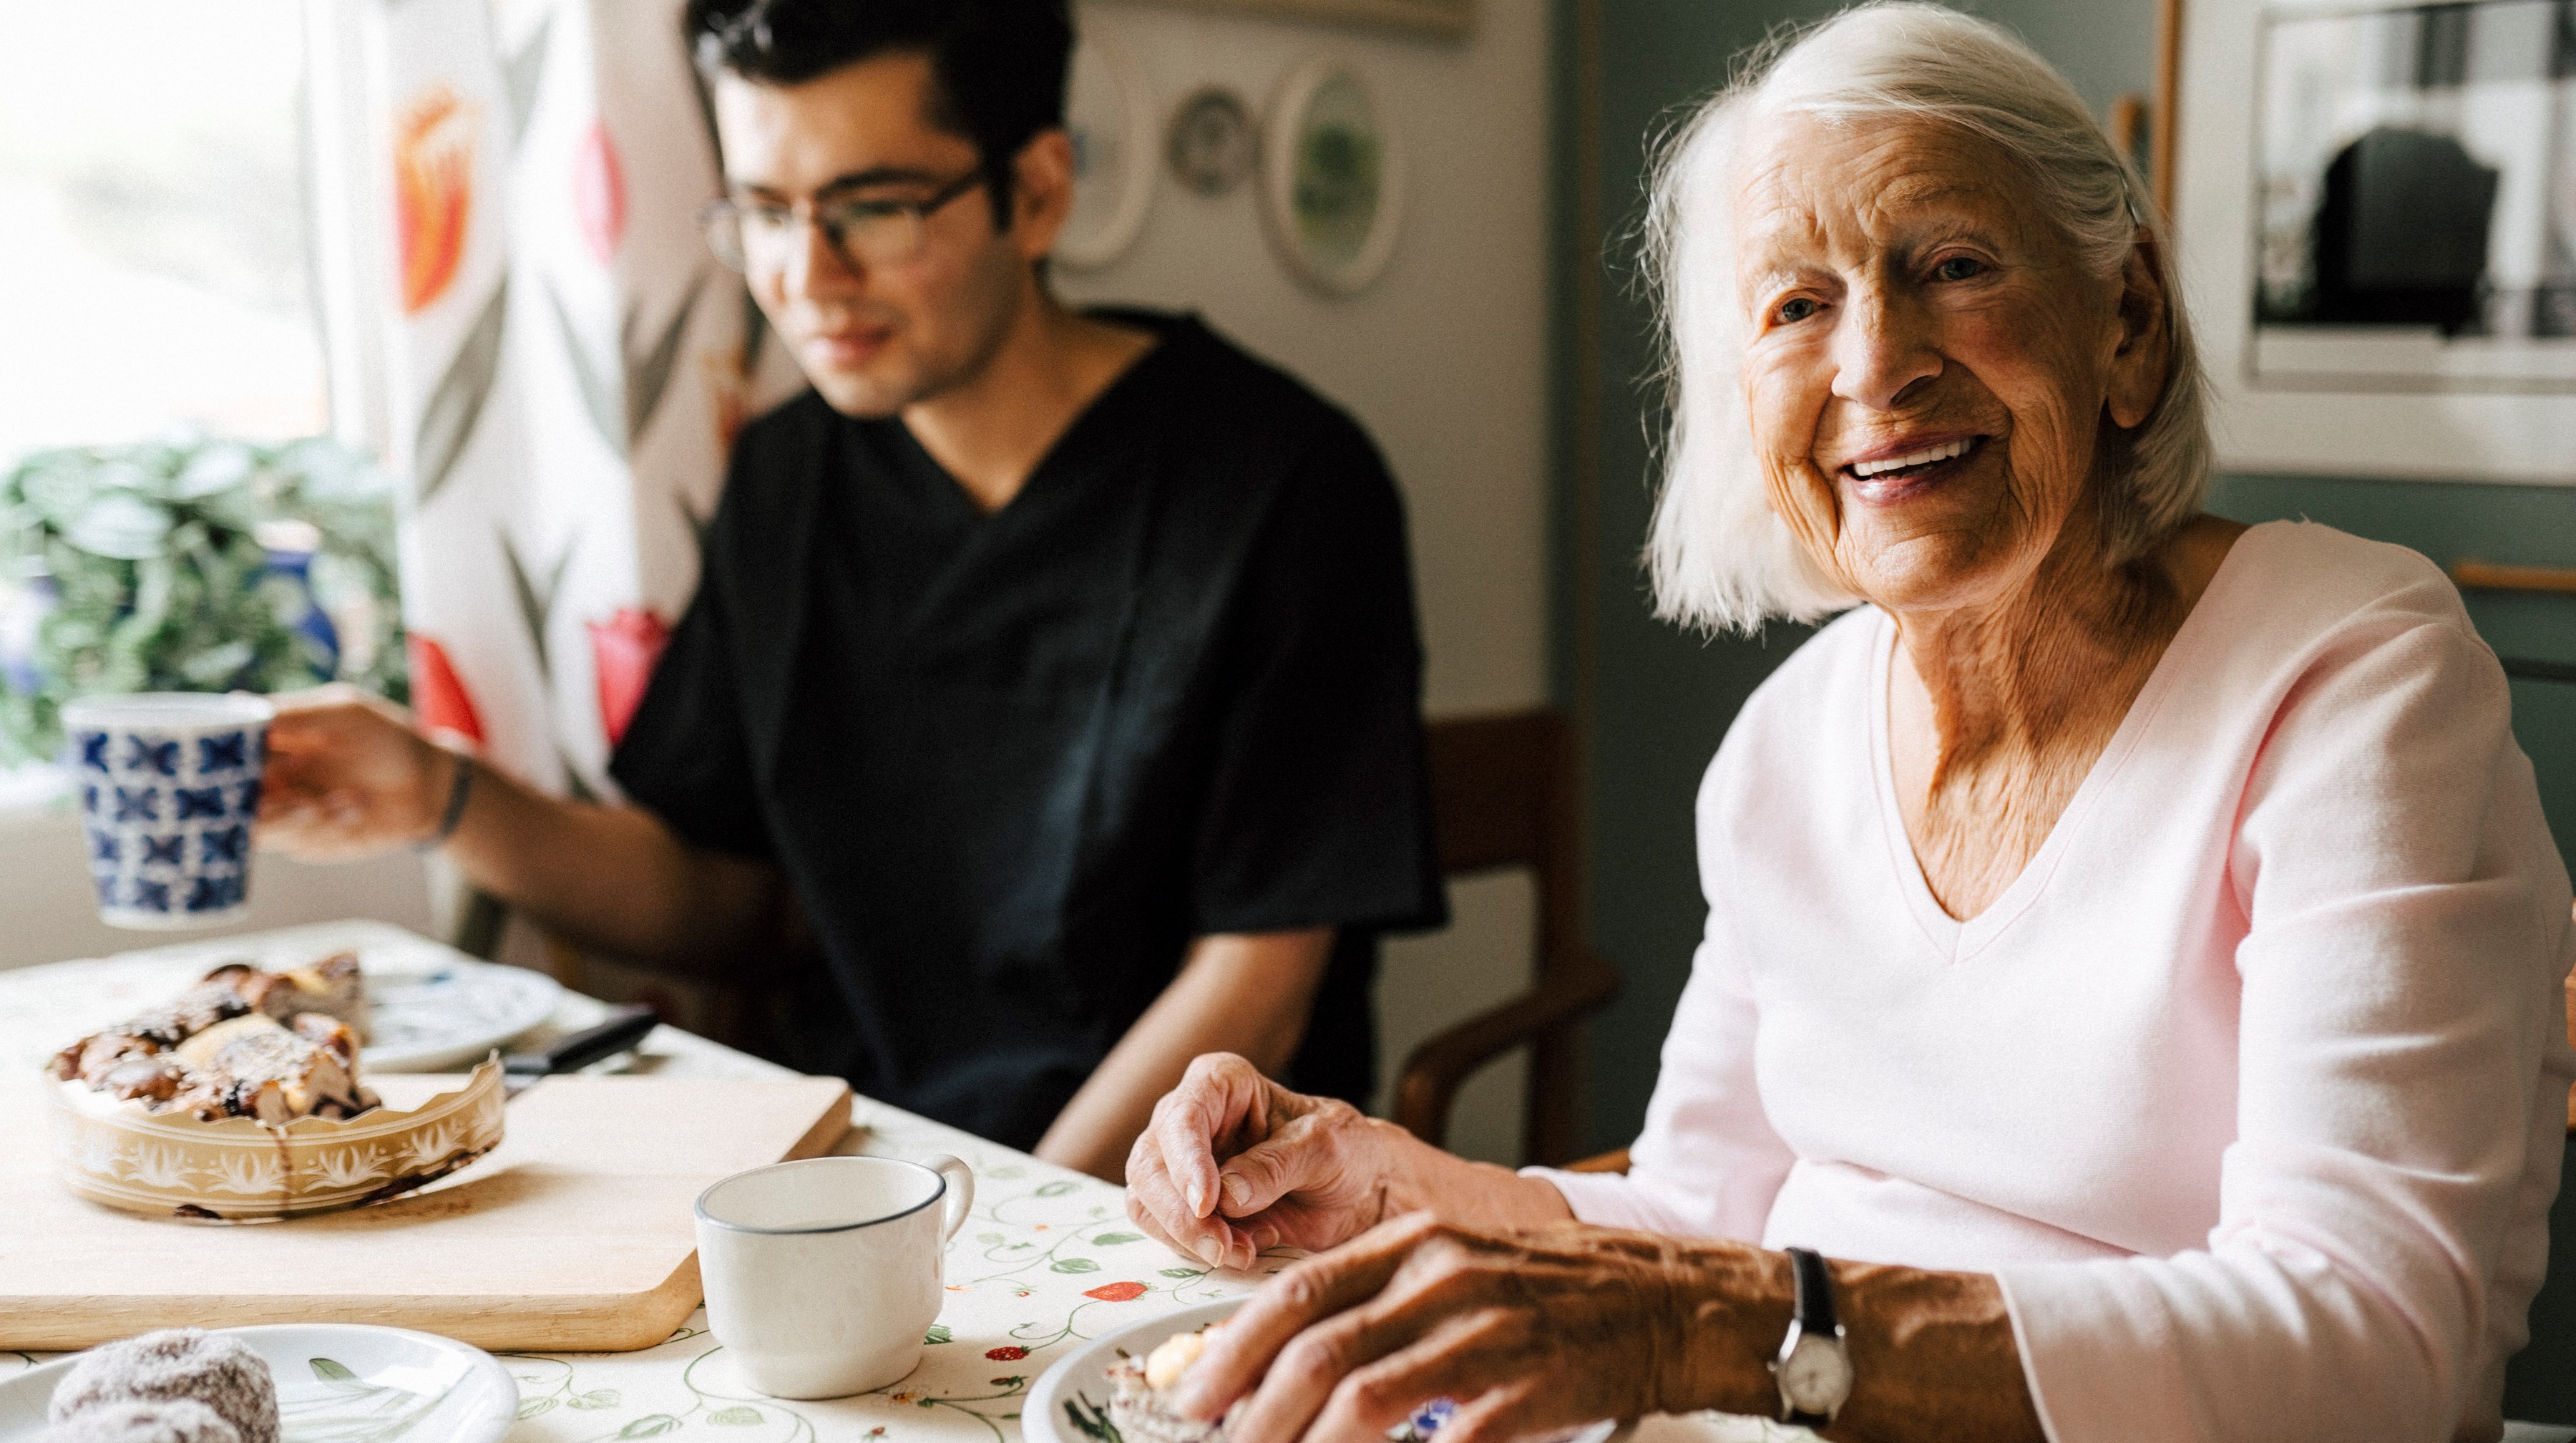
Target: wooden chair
x=1503, y=797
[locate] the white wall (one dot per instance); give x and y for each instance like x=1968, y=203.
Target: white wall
x=46, y=916
x=1444, y=360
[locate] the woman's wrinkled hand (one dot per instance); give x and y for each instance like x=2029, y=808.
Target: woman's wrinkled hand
x=1528, y=1333
x=348, y=777
x=1234, y=1163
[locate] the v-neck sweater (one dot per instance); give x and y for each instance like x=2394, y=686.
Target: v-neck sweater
x=2249, y=1088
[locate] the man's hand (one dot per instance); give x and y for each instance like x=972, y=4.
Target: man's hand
x=1234, y=1163
x=1241, y=992
x=1528, y=1332
x=348, y=777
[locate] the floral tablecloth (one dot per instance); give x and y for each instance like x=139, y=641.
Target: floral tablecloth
x=1047, y=1260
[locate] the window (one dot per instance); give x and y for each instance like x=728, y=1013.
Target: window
x=155, y=236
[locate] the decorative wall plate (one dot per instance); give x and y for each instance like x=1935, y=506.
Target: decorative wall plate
x=1110, y=111
x=1213, y=143
x=1332, y=178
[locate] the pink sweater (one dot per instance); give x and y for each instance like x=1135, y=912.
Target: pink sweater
x=2251, y=1087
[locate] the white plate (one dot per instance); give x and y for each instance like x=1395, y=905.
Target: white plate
x=434, y=1009
x=338, y=1383
x=1084, y=1374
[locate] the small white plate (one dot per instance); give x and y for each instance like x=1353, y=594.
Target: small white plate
x=1084, y=1375
x=337, y=1383
x=440, y=1010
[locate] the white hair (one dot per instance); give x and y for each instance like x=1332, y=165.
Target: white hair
x=1720, y=558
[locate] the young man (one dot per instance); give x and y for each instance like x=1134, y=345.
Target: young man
x=1061, y=668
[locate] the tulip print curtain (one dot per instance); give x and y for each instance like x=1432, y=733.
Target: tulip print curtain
x=564, y=365
x=567, y=366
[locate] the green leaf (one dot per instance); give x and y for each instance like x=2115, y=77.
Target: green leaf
x=1054, y=1189
x=1111, y=1240
x=735, y=1416
x=648, y=375
x=1074, y=1265
x=331, y=1370
x=651, y=1425
x=120, y=524
x=447, y=423
x=595, y=1398
x=1185, y=1272
x=531, y=1407
x=597, y=382
x=938, y=1334
x=218, y=468
x=989, y=1239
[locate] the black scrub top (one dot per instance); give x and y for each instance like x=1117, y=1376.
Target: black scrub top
x=1013, y=764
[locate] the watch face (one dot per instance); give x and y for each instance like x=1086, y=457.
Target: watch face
x=1816, y=1377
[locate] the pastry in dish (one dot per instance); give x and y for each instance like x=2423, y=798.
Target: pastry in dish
x=1139, y=1412
x=151, y=1387
x=332, y=987
x=177, y=1421
x=242, y=1043
x=1139, y=1387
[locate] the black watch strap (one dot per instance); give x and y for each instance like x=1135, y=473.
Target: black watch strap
x=1814, y=1310
x=1815, y=1305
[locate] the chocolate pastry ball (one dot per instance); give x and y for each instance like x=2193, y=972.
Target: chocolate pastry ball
x=177, y=1420
x=180, y=1363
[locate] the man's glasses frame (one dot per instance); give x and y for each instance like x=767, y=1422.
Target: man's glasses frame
x=863, y=231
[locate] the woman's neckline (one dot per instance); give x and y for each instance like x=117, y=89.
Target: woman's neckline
x=1957, y=938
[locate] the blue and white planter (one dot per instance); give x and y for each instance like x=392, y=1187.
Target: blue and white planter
x=169, y=787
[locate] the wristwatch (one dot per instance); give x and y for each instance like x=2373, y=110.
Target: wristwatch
x=1813, y=1370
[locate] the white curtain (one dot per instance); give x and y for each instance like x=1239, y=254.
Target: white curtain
x=543, y=347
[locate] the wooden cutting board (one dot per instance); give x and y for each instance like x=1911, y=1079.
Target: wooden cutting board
x=574, y=1235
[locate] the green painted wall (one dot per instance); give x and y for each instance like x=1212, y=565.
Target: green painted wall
x=1657, y=702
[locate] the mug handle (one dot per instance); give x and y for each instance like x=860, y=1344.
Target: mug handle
x=961, y=1190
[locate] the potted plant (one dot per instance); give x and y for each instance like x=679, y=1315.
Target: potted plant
x=191, y=564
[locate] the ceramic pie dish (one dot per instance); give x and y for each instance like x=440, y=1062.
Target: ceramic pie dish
x=238, y=1170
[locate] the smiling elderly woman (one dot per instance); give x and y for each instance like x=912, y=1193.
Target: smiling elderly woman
x=2133, y=947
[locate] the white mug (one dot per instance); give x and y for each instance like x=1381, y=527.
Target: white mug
x=822, y=1276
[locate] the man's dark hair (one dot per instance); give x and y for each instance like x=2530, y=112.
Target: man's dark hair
x=997, y=67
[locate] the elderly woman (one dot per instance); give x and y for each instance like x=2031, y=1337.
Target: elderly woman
x=2133, y=946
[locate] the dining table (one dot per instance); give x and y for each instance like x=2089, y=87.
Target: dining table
x=1046, y=1261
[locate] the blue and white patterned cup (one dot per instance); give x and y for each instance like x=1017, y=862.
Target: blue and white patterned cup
x=169, y=786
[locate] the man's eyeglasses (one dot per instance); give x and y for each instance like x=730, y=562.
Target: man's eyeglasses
x=862, y=231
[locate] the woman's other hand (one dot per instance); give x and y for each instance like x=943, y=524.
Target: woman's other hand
x=1528, y=1332
x=1234, y=1163
x=348, y=777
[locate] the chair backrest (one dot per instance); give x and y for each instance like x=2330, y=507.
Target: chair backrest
x=1503, y=797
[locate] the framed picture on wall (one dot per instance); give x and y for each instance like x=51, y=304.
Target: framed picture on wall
x=2376, y=210
x=1447, y=19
